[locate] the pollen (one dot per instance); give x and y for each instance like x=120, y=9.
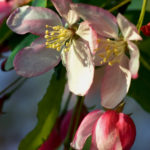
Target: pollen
x=110, y=51
x=58, y=37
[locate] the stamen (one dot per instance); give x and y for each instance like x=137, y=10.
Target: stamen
x=57, y=37
x=111, y=51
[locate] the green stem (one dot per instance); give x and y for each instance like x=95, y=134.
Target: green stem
x=144, y=63
x=67, y=103
x=141, y=18
x=75, y=118
x=10, y=85
x=119, y=5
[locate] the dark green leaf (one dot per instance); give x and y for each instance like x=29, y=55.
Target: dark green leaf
x=39, y=3
x=87, y=143
x=25, y=42
x=5, y=32
x=48, y=111
x=140, y=88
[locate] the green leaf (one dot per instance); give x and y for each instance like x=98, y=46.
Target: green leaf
x=87, y=143
x=39, y=3
x=25, y=42
x=48, y=111
x=139, y=89
x=5, y=32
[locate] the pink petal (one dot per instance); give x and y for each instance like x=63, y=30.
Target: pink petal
x=86, y=32
x=134, y=59
x=115, y=83
x=128, y=29
x=80, y=68
x=63, y=7
x=106, y=133
x=85, y=129
x=36, y=59
x=5, y=9
x=127, y=131
x=101, y=20
x=32, y=19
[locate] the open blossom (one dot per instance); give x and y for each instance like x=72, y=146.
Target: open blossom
x=109, y=130
x=146, y=29
x=73, y=43
x=7, y=6
x=116, y=39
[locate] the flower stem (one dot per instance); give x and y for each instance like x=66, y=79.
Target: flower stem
x=75, y=119
x=142, y=14
x=119, y=5
x=10, y=85
x=67, y=103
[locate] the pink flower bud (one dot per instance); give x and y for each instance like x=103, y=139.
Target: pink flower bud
x=110, y=131
x=114, y=131
x=146, y=29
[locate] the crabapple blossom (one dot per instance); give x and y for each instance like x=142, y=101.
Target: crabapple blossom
x=116, y=39
x=73, y=43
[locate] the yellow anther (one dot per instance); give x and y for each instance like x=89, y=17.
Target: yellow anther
x=46, y=36
x=67, y=44
x=46, y=43
x=104, y=60
x=46, y=32
x=109, y=63
x=52, y=33
x=58, y=48
x=46, y=26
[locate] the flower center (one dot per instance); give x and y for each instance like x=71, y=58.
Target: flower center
x=58, y=37
x=111, y=51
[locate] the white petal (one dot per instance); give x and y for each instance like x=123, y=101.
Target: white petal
x=80, y=68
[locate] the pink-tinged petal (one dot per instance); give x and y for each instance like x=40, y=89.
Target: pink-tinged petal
x=101, y=20
x=106, y=133
x=85, y=129
x=86, y=32
x=134, y=59
x=36, y=59
x=80, y=68
x=63, y=7
x=128, y=29
x=115, y=83
x=5, y=9
x=32, y=19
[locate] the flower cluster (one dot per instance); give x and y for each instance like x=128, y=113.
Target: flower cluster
x=100, y=39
